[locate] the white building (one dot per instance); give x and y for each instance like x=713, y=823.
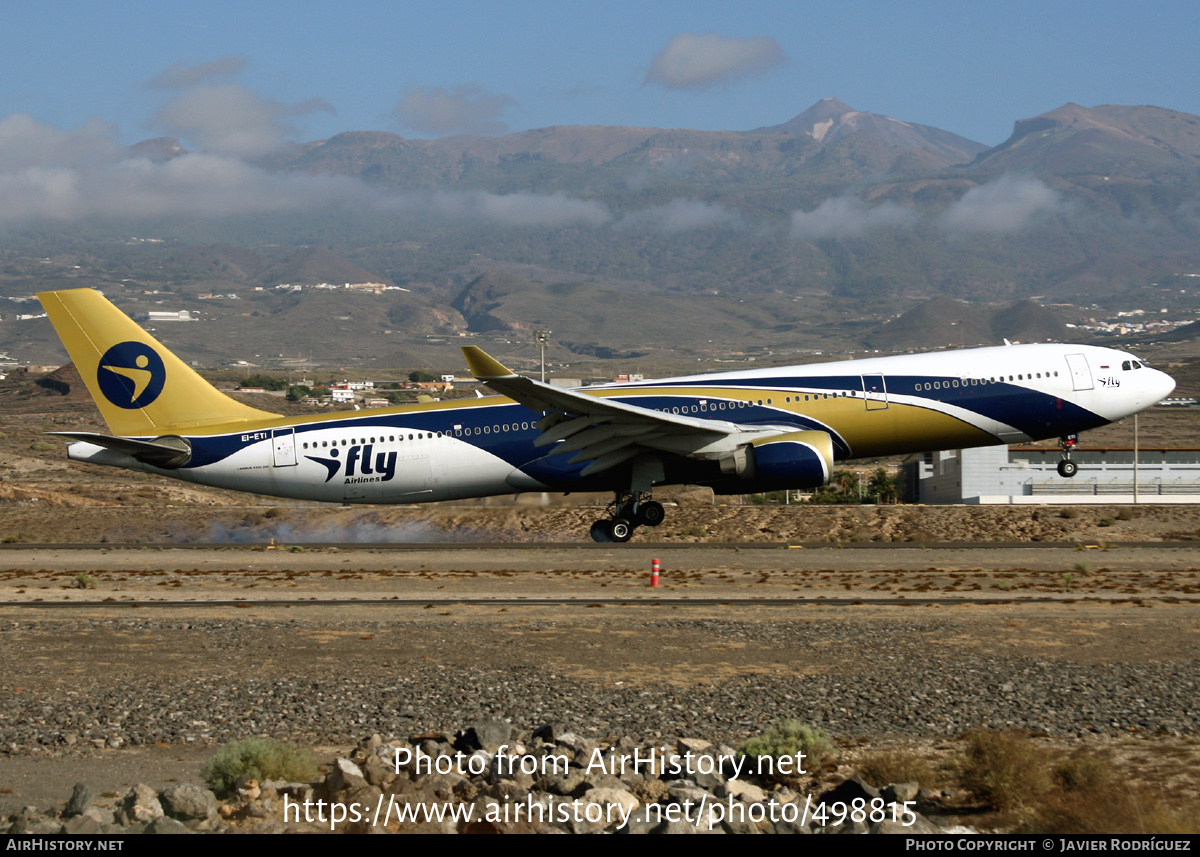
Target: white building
x=163, y=315
x=1027, y=475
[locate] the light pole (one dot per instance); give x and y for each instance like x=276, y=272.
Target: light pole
x=541, y=336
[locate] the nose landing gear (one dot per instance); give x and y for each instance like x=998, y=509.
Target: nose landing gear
x=1067, y=468
x=628, y=511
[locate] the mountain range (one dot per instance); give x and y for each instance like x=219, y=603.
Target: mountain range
x=776, y=229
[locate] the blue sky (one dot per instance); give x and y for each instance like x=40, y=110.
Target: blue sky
x=429, y=69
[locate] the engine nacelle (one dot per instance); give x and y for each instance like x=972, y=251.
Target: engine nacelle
x=799, y=459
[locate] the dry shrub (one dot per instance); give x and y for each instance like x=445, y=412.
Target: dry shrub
x=897, y=765
x=1005, y=769
x=1090, y=797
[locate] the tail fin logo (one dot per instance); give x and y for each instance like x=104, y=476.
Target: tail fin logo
x=131, y=375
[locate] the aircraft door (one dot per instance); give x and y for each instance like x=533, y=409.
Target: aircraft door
x=875, y=392
x=283, y=442
x=1081, y=374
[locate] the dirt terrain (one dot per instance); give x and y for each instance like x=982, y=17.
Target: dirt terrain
x=174, y=650
x=1076, y=623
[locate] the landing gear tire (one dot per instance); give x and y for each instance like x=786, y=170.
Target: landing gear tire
x=620, y=530
x=1067, y=468
x=651, y=514
x=602, y=531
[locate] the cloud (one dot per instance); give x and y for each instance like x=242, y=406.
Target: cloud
x=26, y=142
x=680, y=215
x=48, y=174
x=513, y=209
x=180, y=76
x=1005, y=205
x=462, y=110
x=703, y=60
x=847, y=217
x=190, y=185
x=228, y=119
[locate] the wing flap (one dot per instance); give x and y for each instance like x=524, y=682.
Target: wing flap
x=542, y=397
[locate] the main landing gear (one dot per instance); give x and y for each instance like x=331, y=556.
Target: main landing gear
x=628, y=511
x=1067, y=468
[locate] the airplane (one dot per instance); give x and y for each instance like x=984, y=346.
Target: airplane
x=739, y=432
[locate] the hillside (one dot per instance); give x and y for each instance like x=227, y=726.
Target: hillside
x=1131, y=142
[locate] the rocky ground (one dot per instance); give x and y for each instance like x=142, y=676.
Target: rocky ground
x=87, y=691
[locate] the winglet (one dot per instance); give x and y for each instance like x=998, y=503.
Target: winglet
x=483, y=366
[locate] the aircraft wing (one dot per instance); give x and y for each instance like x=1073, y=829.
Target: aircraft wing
x=606, y=431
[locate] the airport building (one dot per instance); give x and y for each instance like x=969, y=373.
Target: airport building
x=1027, y=475
x=165, y=315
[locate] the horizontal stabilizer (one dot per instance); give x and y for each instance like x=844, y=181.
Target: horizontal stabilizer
x=166, y=452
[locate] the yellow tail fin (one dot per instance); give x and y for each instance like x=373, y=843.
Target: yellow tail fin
x=140, y=387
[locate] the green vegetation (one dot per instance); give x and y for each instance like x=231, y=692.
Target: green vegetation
x=260, y=758
x=265, y=381
x=83, y=580
x=789, y=738
x=847, y=487
x=770, y=498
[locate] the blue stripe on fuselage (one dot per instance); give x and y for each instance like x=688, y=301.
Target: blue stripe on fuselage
x=1033, y=413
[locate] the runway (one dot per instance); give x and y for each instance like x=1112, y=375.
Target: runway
x=414, y=576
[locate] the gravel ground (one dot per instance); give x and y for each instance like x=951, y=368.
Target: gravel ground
x=332, y=682
x=85, y=689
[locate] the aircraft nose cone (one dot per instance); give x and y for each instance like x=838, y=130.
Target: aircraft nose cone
x=1162, y=386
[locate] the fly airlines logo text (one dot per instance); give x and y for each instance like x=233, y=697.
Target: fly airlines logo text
x=363, y=464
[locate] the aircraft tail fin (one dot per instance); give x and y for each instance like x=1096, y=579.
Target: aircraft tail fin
x=140, y=387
